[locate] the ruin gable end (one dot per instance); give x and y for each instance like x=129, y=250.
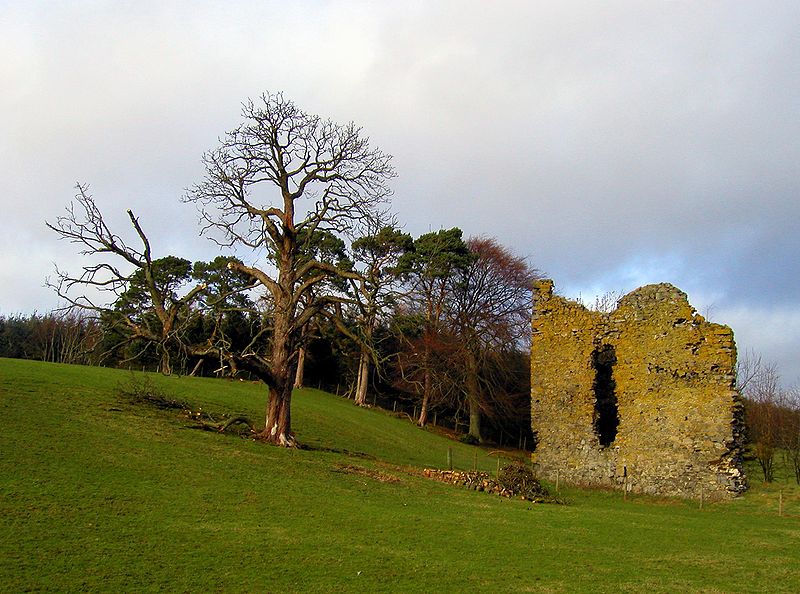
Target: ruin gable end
x=642, y=398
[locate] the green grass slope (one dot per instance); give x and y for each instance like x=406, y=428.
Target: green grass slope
x=98, y=494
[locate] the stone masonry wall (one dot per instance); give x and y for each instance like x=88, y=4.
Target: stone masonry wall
x=642, y=397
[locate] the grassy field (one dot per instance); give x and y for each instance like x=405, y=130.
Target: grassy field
x=99, y=494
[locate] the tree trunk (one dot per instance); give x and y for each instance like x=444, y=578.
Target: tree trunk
x=475, y=420
x=473, y=397
x=301, y=368
x=363, y=378
x=165, y=366
x=278, y=428
x=426, y=398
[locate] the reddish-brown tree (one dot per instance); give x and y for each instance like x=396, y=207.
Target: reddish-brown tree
x=429, y=270
x=423, y=364
x=759, y=382
x=490, y=313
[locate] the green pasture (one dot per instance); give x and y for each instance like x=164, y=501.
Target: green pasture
x=100, y=494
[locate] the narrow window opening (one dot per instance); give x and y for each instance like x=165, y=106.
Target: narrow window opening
x=606, y=418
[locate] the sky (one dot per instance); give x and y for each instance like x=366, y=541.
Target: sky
x=614, y=144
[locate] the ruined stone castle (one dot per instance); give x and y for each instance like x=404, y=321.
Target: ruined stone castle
x=642, y=398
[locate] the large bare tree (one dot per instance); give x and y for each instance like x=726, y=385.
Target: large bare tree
x=274, y=182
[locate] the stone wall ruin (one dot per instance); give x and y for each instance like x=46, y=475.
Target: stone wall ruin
x=642, y=398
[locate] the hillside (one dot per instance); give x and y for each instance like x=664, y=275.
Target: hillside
x=100, y=494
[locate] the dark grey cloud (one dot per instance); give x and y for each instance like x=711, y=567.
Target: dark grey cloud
x=614, y=143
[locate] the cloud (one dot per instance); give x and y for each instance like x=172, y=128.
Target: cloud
x=774, y=330
x=613, y=143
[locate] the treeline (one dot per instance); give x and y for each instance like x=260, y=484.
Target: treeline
x=70, y=336
x=436, y=328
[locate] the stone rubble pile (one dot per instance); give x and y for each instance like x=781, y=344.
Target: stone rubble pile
x=477, y=481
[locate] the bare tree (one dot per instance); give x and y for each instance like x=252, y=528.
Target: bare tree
x=276, y=181
x=140, y=293
x=67, y=335
x=607, y=302
x=772, y=415
x=759, y=382
x=790, y=431
x=604, y=303
x=748, y=367
x=72, y=336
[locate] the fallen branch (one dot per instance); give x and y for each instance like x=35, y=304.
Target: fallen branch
x=224, y=427
x=235, y=421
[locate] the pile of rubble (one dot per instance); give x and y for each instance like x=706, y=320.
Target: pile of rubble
x=508, y=484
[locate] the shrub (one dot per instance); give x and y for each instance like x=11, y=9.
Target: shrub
x=142, y=390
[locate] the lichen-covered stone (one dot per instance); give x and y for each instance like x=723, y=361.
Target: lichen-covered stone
x=643, y=397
